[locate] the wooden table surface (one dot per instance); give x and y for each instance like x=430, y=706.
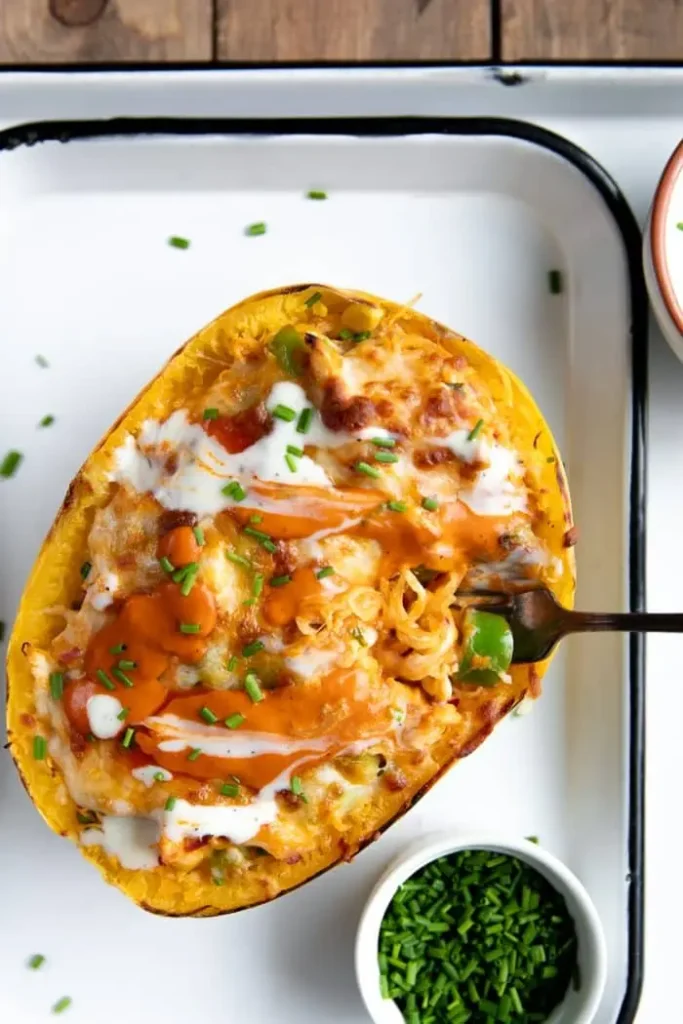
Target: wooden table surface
x=138, y=31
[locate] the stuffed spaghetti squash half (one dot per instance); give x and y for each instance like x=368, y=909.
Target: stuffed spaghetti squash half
x=241, y=652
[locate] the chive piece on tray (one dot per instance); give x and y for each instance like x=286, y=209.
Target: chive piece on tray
x=42, y=362
x=315, y=193
x=46, y=421
x=10, y=464
x=178, y=242
x=62, y=1004
x=259, y=228
x=36, y=961
x=555, y=282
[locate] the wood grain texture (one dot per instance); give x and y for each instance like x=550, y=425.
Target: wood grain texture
x=592, y=30
x=69, y=31
x=353, y=30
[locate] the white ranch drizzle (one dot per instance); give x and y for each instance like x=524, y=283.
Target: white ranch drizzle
x=148, y=774
x=133, y=841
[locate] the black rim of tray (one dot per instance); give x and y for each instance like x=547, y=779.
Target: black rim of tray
x=383, y=127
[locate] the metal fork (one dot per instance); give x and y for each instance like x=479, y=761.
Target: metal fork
x=538, y=622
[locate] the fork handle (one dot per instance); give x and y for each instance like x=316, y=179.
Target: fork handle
x=623, y=622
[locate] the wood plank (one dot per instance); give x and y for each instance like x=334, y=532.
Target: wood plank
x=66, y=31
x=353, y=30
x=592, y=30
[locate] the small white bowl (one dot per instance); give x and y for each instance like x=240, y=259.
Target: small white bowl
x=663, y=252
x=576, y=1008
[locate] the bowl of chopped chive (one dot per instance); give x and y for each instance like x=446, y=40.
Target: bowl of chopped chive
x=475, y=929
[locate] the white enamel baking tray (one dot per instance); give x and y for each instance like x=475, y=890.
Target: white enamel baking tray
x=473, y=214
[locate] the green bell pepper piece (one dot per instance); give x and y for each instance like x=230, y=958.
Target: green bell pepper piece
x=286, y=347
x=485, y=636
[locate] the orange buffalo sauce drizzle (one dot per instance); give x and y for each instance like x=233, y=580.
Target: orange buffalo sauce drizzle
x=148, y=628
x=338, y=709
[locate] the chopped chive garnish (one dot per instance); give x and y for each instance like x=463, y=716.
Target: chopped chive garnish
x=194, y=754
x=86, y=817
x=397, y=506
x=180, y=575
x=198, y=535
x=230, y=789
x=304, y=421
x=555, y=282
x=326, y=570
x=189, y=627
x=362, y=335
x=123, y=714
x=117, y=649
x=232, y=664
x=189, y=581
x=431, y=504
x=234, y=721
x=358, y=634
x=10, y=464
x=178, y=242
x=363, y=467
x=315, y=297
x=551, y=458
x=280, y=581
x=46, y=421
x=263, y=538
x=475, y=430
x=159, y=777
x=170, y=803
x=39, y=748
x=62, y=1004
x=232, y=556
x=284, y=412
x=104, y=679
x=297, y=788
x=315, y=193
x=56, y=685
x=234, y=490
x=166, y=564
x=255, y=229
x=85, y=570
x=208, y=715
x=42, y=362
x=253, y=688
x=253, y=648
x=127, y=665
x=210, y=414
x=256, y=518
x=128, y=737
x=680, y=225
x=384, y=442
x=293, y=450
x=385, y=457
x=345, y=334
x=257, y=584
x=36, y=961
x=122, y=677
x=291, y=463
